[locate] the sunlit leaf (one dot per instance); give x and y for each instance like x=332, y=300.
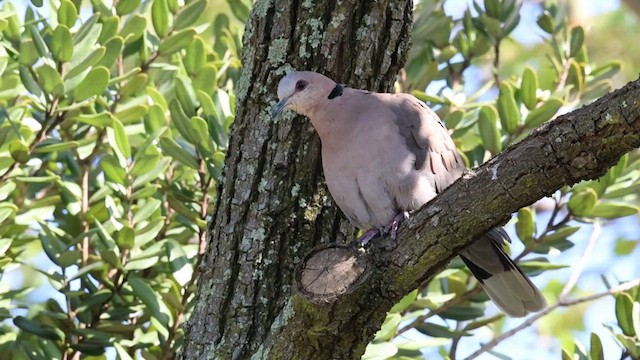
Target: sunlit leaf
x=93, y=84
x=508, y=109
x=189, y=14
x=176, y=41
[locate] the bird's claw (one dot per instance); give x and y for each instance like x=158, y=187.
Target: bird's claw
x=368, y=235
x=390, y=229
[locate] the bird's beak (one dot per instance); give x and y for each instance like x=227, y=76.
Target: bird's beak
x=279, y=107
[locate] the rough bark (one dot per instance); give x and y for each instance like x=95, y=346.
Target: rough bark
x=272, y=206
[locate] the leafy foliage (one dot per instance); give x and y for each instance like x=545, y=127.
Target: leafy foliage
x=113, y=127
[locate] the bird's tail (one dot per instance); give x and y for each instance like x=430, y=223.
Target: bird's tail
x=508, y=287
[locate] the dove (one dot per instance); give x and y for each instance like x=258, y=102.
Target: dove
x=385, y=155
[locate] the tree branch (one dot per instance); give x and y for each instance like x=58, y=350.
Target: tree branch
x=561, y=303
x=343, y=291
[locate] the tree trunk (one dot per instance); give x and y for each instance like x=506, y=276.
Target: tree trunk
x=272, y=205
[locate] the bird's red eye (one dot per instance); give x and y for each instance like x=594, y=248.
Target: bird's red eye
x=301, y=85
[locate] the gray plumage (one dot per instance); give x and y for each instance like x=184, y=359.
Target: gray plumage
x=385, y=154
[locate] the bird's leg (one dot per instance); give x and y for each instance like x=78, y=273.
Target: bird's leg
x=368, y=235
x=392, y=227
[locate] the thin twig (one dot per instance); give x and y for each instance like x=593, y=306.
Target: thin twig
x=561, y=303
x=575, y=275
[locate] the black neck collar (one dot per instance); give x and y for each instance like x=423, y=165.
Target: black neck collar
x=337, y=91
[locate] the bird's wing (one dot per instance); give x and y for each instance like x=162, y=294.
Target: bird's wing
x=427, y=138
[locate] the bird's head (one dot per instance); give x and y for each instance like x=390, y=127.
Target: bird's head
x=301, y=91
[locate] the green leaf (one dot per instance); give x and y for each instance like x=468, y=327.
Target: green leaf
x=538, y=265
x=110, y=28
x=379, y=351
x=171, y=148
x=160, y=17
x=7, y=209
x=529, y=87
x=195, y=57
x=113, y=48
x=93, y=84
x=147, y=210
x=389, y=327
x=88, y=33
x=543, y=113
x=158, y=98
x=525, y=227
x=99, y=120
x=50, y=80
x=37, y=328
x=240, y=10
x=143, y=164
x=133, y=29
x=182, y=121
x=624, y=311
x=92, y=59
x=38, y=41
x=62, y=44
x=185, y=96
x=416, y=345
x=508, y=109
x=439, y=331
x=625, y=247
x=611, y=210
x=112, y=170
x=134, y=86
x=127, y=6
x=493, y=8
x=201, y=131
x=462, y=312
x=576, y=75
x=582, y=202
x=176, y=42
x=118, y=138
x=19, y=151
x=483, y=322
x=577, y=40
x=153, y=174
x=595, y=352
x=189, y=14
x=146, y=294
x=422, y=96
x=546, y=22
x=554, y=247
x=29, y=81
x=454, y=118
x=67, y=13
x=562, y=233
x=488, y=127
x=405, y=302
x=121, y=351
x=125, y=238
x=28, y=53
x=155, y=119
x=61, y=146
x=131, y=114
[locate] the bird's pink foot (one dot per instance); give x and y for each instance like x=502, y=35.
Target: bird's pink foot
x=392, y=227
x=368, y=235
